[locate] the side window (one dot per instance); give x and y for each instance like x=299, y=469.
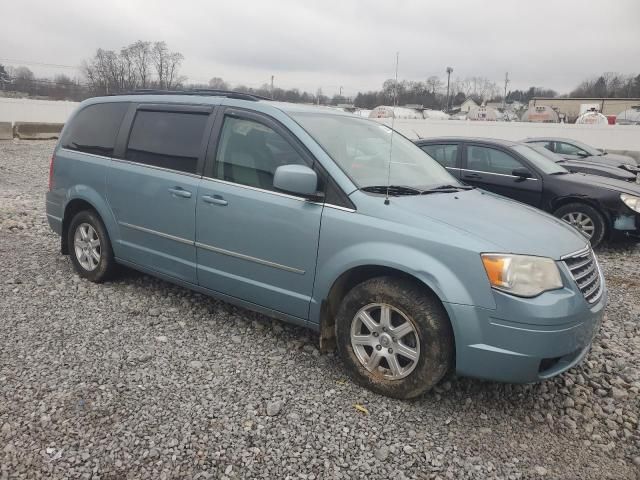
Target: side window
x=95, y=128
x=249, y=153
x=547, y=145
x=445, y=155
x=567, y=149
x=167, y=139
x=490, y=160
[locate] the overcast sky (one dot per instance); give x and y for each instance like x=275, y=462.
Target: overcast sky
x=332, y=43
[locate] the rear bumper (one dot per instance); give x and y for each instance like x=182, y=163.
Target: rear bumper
x=525, y=340
x=54, y=216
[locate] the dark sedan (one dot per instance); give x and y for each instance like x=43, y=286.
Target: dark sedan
x=578, y=151
x=584, y=166
x=601, y=208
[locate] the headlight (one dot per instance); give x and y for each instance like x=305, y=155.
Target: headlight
x=631, y=168
x=521, y=275
x=630, y=201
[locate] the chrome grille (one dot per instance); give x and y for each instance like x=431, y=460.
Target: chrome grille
x=586, y=273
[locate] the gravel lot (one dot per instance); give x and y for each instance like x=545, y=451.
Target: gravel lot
x=142, y=379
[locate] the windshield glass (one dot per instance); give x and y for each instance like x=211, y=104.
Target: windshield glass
x=539, y=160
x=587, y=148
x=362, y=149
x=545, y=152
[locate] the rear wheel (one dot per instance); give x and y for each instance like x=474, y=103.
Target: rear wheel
x=584, y=218
x=394, y=337
x=90, y=247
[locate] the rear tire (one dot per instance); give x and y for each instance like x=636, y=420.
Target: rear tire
x=416, y=326
x=90, y=248
x=586, y=219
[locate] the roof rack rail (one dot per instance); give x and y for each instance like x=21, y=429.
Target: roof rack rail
x=196, y=92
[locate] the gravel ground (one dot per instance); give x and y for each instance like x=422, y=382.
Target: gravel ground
x=142, y=379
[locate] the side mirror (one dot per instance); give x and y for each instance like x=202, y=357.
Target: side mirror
x=521, y=173
x=296, y=179
x=582, y=154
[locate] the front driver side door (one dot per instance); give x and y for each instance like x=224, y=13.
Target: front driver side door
x=491, y=169
x=254, y=242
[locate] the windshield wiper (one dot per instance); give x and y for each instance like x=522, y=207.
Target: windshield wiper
x=559, y=173
x=394, y=190
x=447, y=189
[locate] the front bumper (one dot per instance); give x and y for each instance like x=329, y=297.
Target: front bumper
x=525, y=340
x=626, y=222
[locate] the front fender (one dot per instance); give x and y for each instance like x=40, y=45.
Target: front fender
x=460, y=280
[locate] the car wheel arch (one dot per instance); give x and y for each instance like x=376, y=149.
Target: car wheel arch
x=561, y=202
x=78, y=203
x=347, y=281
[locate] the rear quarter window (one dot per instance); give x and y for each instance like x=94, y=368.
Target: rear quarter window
x=94, y=129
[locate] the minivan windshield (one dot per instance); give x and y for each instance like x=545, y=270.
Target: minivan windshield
x=540, y=161
x=362, y=148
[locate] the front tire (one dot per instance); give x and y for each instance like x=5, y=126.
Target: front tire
x=90, y=248
x=394, y=337
x=586, y=219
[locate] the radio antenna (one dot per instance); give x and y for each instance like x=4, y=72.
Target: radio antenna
x=393, y=122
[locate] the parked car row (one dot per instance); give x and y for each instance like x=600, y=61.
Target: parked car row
x=599, y=206
x=335, y=222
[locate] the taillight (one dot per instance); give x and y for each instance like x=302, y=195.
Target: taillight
x=53, y=157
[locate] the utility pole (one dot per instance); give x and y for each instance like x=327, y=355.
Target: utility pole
x=340, y=92
x=506, y=82
x=271, y=87
x=449, y=70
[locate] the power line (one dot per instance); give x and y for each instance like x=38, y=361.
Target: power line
x=41, y=64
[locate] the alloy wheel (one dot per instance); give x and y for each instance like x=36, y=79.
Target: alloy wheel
x=86, y=244
x=582, y=222
x=385, y=341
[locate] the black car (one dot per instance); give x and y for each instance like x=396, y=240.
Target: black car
x=584, y=166
x=574, y=150
x=601, y=208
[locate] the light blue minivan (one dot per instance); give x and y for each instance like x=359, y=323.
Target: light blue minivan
x=330, y=221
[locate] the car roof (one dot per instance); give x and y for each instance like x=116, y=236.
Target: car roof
x=237, y=99
x=547, y=139
x=489, y=141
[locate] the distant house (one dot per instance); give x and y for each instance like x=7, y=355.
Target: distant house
x=572, y=108
x=467, y=105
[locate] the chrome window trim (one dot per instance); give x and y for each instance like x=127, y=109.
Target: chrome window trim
x=256, y=189
x=279, y=194
x=499, y=174
x=155, y=167
x=80, y=152
x=159, y=234
x=124, y=160
x=249, y=258
x=338, y=207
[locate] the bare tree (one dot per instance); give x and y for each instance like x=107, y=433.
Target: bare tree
x=141, y=53
x=218, y=84
x=167, y=65
x=434, y=84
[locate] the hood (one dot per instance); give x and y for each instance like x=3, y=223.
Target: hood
x=603, y=159
x=512, y=226
x=580, y=165
x=625, y=159
x=609, y=183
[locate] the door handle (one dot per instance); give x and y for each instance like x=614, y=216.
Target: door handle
x=180, y=192
x=472, y=175
x=215, y=200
